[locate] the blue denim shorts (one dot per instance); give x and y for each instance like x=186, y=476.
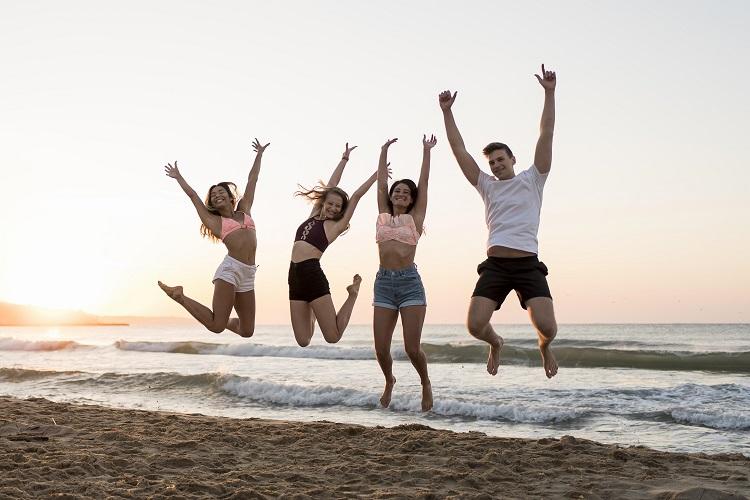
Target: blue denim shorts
x=397, y=288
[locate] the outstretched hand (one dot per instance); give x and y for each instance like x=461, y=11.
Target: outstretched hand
x=172, y=171
x=389, y=142
x=388, y=170
x=348, y=150
x=548, y=80
x=258, y=147
x=446, y=99
x=375, y=174
x=429, y=143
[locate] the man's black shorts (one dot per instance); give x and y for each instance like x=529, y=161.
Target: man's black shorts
x=499, y=275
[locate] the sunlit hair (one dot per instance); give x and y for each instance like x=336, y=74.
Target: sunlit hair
x=318, y=194
x=414, y=191
x=494, y=146
x=231, y=190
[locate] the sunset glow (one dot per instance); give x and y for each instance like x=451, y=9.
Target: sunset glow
x=630, y=211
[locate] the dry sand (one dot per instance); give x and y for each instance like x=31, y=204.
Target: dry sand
x=96, y=452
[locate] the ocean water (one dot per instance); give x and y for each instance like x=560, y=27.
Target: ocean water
x=674, y=387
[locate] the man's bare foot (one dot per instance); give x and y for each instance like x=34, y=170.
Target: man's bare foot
x=353, y=289
x=174, y=292
x=548, y=359
x=493, y=360
x=427, y=397
x=385, y=399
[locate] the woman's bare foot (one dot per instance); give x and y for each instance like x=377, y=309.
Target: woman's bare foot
x=493, y=361
x=385, y=399
x=427, y=397
x=353, y=289
x=548, y=359
x=174, y=292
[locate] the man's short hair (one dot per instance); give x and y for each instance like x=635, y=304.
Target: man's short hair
x=494, y=146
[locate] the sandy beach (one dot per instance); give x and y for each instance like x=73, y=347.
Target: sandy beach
x=74, y=451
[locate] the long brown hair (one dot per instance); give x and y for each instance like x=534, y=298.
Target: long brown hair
x=231, y=189
x=317, y=195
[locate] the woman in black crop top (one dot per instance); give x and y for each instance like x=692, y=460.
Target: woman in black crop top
x=309, y=293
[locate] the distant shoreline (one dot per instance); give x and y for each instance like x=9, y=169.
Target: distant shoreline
x=15, y=315
x=64, y=324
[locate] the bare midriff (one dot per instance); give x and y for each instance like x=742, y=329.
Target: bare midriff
x=498, y=251
x=302, y=250
x=241, y=245
x=396, y=255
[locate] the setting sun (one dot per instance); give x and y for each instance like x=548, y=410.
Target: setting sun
x=69, y=284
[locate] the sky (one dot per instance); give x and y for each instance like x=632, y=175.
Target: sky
x=645, y=214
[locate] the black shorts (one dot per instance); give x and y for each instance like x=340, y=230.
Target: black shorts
x=499, y=275
x=307, y=281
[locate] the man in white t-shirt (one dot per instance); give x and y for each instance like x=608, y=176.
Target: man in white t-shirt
x=512, y=207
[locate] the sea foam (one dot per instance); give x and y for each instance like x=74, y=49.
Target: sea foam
x=12, y=344
x=248, y=350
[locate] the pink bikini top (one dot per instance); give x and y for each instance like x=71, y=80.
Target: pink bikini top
x=400, y=228
x=229, y=225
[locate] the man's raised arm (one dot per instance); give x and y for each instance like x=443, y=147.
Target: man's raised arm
x=543, y=154
x=468, y=166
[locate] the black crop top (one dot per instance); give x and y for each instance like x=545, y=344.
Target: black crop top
x=311, y=231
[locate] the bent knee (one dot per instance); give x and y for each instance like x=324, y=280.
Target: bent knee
x=476, y=327
x=382, y=353
x=217, y=328
x=303, y=342
x=547, y=330
x=331, y=335
x=246, y=333
x=413, y=352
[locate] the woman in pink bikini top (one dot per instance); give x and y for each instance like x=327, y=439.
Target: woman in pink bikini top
x=398, y=286
x=224, y=219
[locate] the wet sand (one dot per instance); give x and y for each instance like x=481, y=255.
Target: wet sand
x=74, y=451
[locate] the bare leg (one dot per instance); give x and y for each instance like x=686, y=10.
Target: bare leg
x=345, y=312
x=412, y=318
x=303, y=321
x=333, y=324
x=478, y=323
x=244, y=324
x=215, y=320
x=384, y=322
x=542, y=315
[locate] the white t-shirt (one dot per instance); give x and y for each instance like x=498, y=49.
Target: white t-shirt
x=512, y=208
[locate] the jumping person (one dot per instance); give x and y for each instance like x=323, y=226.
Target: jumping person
x=398, y=286
x=512, y=208
x=309, y=292
x=234, y=280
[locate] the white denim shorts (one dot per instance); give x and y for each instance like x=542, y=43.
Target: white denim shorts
x=236, y=273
